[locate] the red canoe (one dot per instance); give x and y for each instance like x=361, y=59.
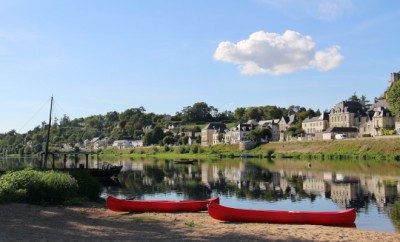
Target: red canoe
x=340, y=218
x=163, y=206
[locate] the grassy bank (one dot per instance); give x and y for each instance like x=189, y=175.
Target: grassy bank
x=387, y=148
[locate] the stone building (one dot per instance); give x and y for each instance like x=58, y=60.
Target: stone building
x=347, y=114
x=315, y=125
x=237, y=134
x=209, y=130
x=273, y=126
x=284, y=123
x=379, y=118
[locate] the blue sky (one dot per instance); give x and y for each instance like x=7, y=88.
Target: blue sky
x=97, y=56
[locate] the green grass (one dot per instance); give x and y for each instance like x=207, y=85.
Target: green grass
x=355, y=149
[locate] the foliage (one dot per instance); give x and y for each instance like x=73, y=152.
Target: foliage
x=45, y=188
x=131, y=123
x=394, y=98
x=394, y=214
x=194, y=149
x=258, y=134
x=220, y=136
x=88, y=186
x=388, y=132
x=363, y=100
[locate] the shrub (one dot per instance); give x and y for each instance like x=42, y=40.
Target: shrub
x=54, y=188
x=37, y=187
x=89, y=187
x=181, y=150
x=195, y=149
x=166, y=148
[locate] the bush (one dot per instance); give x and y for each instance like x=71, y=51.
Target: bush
x=181, y=149
x=54, y=188
x=195, y=149
x=45, y=188
x=89, y=187
x=388, y=132
x=166, y=148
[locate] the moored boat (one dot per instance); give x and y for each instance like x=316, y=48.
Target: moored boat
x=227, y=214
x=163, y=206
x=184, y=161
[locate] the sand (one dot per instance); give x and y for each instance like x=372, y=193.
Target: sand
x=93, y=222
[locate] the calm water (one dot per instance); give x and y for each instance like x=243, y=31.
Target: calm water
x=370, y=187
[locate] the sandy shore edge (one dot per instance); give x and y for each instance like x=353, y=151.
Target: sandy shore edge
x=93, y=222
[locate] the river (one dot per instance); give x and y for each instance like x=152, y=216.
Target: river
x=371, y=187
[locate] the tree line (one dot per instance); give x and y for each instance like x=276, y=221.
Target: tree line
x=132, y=124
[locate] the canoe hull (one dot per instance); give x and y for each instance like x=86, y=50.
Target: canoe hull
x=161, y=206
x=227, y=214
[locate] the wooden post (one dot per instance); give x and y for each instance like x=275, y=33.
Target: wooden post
x=65, y=161
x=43, y=161
x=53, y=164
x=76, y=159
x=87, y=160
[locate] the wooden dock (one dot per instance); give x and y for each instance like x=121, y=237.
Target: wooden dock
x=65, y=155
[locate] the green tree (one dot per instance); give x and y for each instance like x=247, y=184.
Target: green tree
x=363, y=100
x=199, y=112
x=240, y=114
x=258, y=134
x=168, y=140
x=394, y=98
x=254, y=113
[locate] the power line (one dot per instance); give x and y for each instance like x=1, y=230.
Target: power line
x=34, y=115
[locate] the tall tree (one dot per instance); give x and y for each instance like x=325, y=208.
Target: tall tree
x=363, y=100
x=240, y=114
x=394, y=98
x=199, y=112
x=254, y=113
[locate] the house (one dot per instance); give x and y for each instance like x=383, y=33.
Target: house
x=137, y=143
x=313, y=127
x=347, y=114
x=209, y=130
x=237, y=134
x=273, y=126
x=346, y=118
x=122, y=144
x=381, y=117
x=284, y=123
x=397, y=125
x=98, y=143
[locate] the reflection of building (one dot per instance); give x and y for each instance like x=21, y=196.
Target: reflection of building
x=316, y=186
x=242, y=177
x=343, y=193
x=383, y=190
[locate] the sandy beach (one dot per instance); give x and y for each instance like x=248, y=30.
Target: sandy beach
x=94, y=222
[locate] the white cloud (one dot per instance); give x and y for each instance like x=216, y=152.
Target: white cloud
x=276, y=54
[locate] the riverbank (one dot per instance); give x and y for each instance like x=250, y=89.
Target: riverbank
x=377, y=148
x=93, y=222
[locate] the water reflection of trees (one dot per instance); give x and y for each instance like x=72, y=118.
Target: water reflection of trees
x=164, y=179
x=255, y=181
x=394, y=214
x=17, y=163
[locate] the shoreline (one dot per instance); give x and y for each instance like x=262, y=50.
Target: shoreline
x=95, y=222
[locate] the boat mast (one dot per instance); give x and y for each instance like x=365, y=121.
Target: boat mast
x=48, y=134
